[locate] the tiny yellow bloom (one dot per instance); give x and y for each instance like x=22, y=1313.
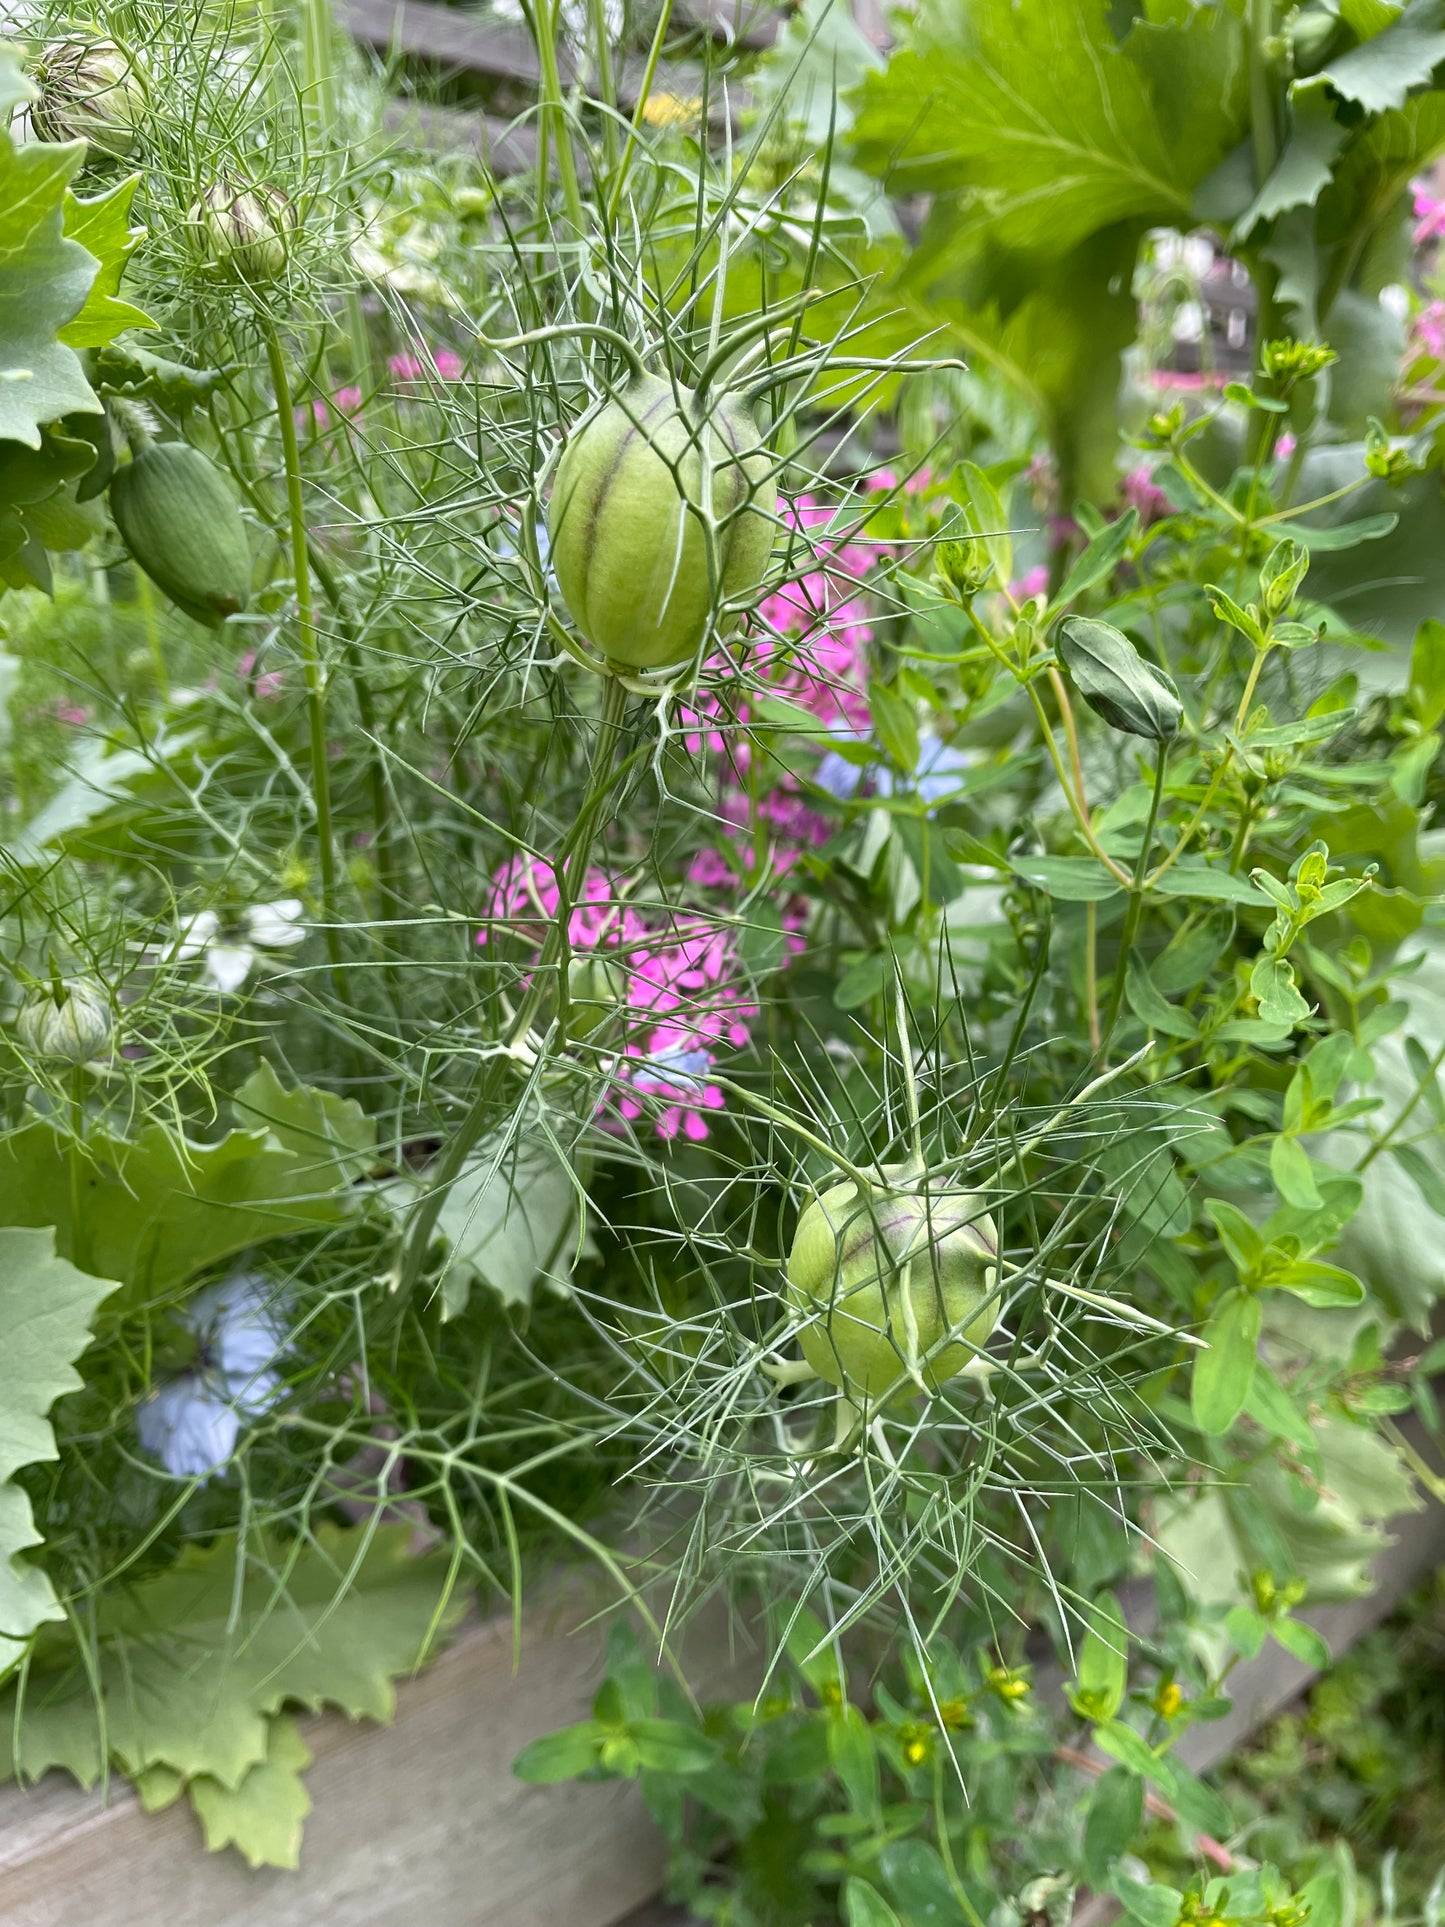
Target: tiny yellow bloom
x=672, y=110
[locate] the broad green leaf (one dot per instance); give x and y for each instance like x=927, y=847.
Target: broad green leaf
x=1305, y=166
x=262, y=1817
x=895, y=723
x=45, y=280
x=1427, y=674
x=1155, y=1906
x=1192, y=952
x=1201, y=1807
x=103, y=229
x=1100, y=558
x=158, y=1210
x=1247, y=1629
x=864, y=1906
x=1199, y=883
x=1382, y=72
x=1271, y=1406
x=1103, y=1661
x=559, y=1756
x=333, y=1133
x=1303, y=1641
x=1343, y=535
x=1293, y=1174
x=854, y=1758
x=1428, y=1173
x=1115, y=1812
x=1035, y=110
x=915, y=1875
x=46, y=1306
x=1238, y=1234
x=509, y=1220
x=1072, y=879
x=1318, y=1284
x=193, y=1663
x=667, y=1746
x=1149, y=1004
x=1222, y=1375
x=1325, y=1899
x=988, y=519
x=1272, y=983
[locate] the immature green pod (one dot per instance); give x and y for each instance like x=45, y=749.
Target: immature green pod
x=91, y=91
x=73, y=1031
x=243, y=231
x=177, y=516
x=628, y=542
x=866, y=1268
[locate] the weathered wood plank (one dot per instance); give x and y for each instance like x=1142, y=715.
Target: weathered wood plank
x=420, y=1824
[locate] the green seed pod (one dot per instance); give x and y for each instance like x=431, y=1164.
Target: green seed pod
x=864, y=1268
x=180, y=521
x=90, y=91
x=627, y=541
x=73, y=1031
x=243, y=231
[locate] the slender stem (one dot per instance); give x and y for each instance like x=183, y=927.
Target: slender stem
x=1094, y=1085
x=910, y=1082
x=544, y=14
x=79, y=1236
x=1066, y=711
x=1091, y=973
x=1421, y=1083
x=1076, y=808
x=306, y=626
x=576, y=855
x=606, y=81
x=1136, y=897
x=654, y=54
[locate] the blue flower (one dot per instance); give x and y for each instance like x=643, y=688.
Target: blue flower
x=838, y=776
x=940, y=772
x=192, y=1423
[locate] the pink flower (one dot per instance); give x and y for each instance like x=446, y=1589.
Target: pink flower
x=1140, y=491
x=268, y=684
x=445, y=363
x=677, y=999
x=1285, y=446
x=1428, y=330
x=1032, y=582
x=1429, y=218
x=71, y=714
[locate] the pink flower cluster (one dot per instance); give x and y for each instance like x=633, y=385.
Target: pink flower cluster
x=443, y=364
x=676, y=993
x=1427, y=330
x=1429, y=218
x=809, y=647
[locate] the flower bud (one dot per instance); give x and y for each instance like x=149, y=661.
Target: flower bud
x=1117, y=683
x=90, y=91
x=73, y=1030
x=628, y=541
x=887, y=1277
x=244, y=231
x=964, y=568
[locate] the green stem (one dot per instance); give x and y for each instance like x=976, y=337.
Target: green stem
x=79, y=1238
x=306, y=625
x=1136, y=898
x=1426, y=1078
x=576, y=855
x=556, y=111
x=654, y=54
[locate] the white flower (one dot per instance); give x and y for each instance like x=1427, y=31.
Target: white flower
x=192, y=1423
x=231, y=950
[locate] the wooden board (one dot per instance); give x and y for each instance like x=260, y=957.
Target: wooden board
x=420, y=1824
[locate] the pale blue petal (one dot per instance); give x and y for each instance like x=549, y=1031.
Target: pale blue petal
x=190, y=1427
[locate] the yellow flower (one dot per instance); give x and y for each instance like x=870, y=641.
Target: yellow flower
x=672, y=110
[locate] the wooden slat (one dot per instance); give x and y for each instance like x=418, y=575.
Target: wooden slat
x=506, y=147
x=420, y=1824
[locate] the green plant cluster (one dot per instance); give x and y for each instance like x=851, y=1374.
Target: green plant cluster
x=427, y=1024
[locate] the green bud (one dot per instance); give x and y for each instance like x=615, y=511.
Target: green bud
x=886, y=1278
x=243, y=231
x=1385, y=463
x=963, y=568
x=90, y=91
x=1287, y=361
x=1117, y=683
x=72, y=1027
x=626, y=520
x=1284, y=570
